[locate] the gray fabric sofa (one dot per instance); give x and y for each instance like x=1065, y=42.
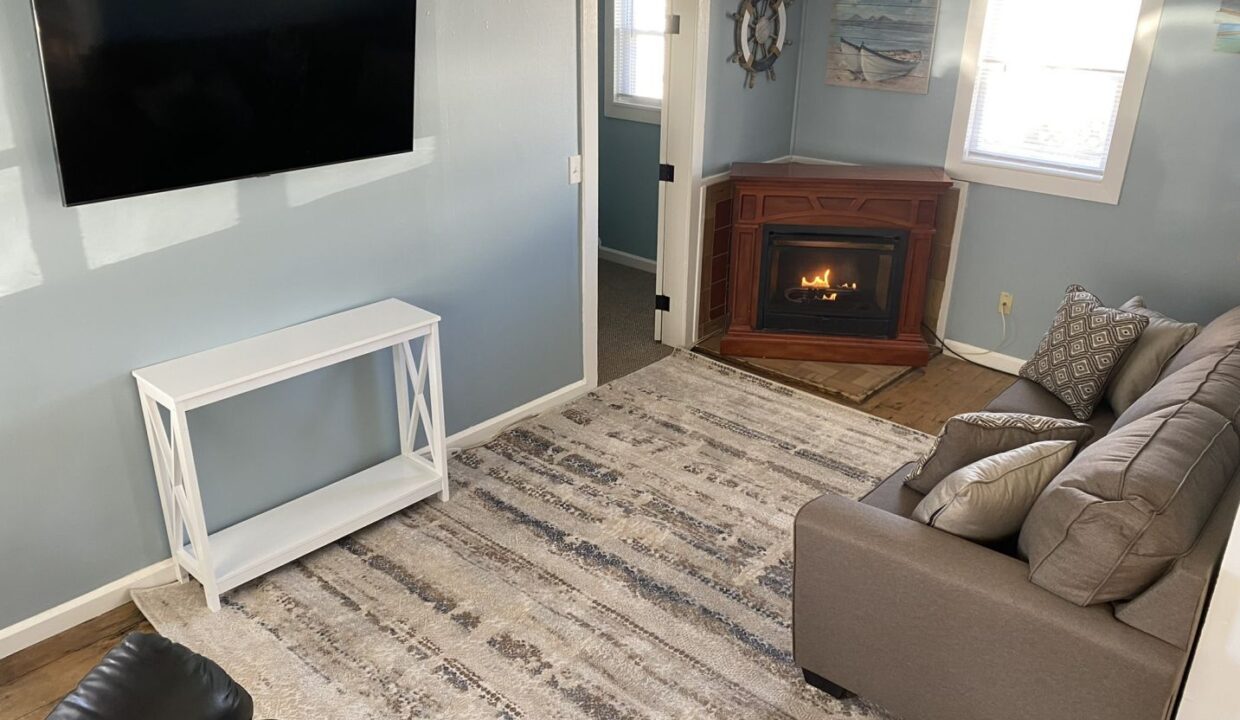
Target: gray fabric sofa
x=934, y=627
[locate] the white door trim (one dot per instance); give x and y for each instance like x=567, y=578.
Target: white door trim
x=683, y=145
x=588, y=66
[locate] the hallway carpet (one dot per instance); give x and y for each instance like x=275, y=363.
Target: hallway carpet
x=627, y=555
x=625, y=321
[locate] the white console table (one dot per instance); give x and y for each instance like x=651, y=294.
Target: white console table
x=235, y=555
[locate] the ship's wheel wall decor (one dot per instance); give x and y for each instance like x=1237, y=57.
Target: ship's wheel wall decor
x=761, y=36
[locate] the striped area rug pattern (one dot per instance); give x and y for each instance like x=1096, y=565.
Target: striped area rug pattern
x=627, y=555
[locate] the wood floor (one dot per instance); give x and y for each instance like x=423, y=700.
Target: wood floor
x=34, y=680
x=926, y=398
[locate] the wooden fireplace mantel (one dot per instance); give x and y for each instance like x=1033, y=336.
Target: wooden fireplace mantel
x=852, y=175
x=841, y=196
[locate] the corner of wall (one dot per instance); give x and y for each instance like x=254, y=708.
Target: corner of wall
x=800, y=77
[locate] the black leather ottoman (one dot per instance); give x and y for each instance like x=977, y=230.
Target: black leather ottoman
x=148, y=677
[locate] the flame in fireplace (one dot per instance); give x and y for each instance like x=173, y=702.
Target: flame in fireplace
x=819, y=281
x=829, y=292
x=823, y=282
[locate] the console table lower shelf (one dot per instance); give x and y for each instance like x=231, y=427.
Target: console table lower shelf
x=227, y=558
x=263, y=543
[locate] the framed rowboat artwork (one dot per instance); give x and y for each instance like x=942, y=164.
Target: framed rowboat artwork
x=882, y=45
x=1228, y=13
x=1228, y=39
x=1228, y=19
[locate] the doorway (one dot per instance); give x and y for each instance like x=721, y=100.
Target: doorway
x=648, y=83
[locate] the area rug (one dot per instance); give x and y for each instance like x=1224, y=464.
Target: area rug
x=627, y=555
x=851, y=382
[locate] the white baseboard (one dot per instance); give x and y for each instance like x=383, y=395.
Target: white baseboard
x=488, y=429
x=80, y=609
x=86, y=607
x=989, y=358
x=620, y=257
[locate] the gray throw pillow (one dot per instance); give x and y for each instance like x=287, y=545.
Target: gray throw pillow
x=1142, y=365
x=967, y=438
x=1084, y=345
x=989, y=499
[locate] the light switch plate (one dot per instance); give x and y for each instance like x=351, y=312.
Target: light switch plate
x=574, y=170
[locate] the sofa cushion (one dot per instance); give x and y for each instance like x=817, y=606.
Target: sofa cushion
x=1130, y=504
x=1143, y=364
x=1213, y=381
x=1082, y=348
x=1219, y=336
x=1026, y=396
x=893, y=495
x=989, y=499
x=970, y=437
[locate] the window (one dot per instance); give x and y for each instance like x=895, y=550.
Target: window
x=633, y=84
x=1049, y=94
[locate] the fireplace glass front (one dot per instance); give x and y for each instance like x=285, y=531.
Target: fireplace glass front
x=833, y=281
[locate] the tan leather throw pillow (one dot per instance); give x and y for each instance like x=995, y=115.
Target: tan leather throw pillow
x=970, y=437
x=989, y=499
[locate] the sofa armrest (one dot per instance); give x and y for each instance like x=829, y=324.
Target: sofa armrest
x=1172, y=607
x=934, y=626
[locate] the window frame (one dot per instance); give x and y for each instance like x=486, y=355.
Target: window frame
x=1018, y=176
x=618, y=109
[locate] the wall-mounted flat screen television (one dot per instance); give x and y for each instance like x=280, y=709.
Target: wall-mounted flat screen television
x=154, y=95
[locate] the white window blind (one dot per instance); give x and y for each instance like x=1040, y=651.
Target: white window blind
x=638, y=62
x=1050, y=78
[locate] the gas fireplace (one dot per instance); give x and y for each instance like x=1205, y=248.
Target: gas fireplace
x=838, y=281
x=830, y=262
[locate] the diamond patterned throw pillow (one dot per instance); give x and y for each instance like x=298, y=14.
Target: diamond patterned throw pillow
x=1082, y=348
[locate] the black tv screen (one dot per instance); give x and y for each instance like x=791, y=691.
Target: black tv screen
x=153, y=95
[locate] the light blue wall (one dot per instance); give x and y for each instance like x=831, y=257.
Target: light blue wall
x=742, y=125
x=88, y=295
x=747, y=124
x=628, y=168
x=628, y=162
x=1174, y=237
